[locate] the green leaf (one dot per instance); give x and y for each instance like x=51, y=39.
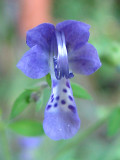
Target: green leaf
x=27, y=127
x=46, y=95
x=80, y=92
x=21, y=103
x=48, y=79
x=39, y=103
x=114, y=122
x=43, y=99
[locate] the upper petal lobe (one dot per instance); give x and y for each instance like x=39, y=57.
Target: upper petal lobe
x=75, y=32
x=40, y=35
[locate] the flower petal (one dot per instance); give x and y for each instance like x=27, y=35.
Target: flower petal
x=76, y=32
x=61, y=124
x=34, y=63
x=29, y=142
x=84, y=60
x=40, y=35
x=61, y=120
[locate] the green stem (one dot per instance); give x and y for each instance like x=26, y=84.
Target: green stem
x=80, y=138
x=4, y=142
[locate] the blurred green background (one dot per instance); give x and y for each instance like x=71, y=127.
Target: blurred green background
x=99, y=135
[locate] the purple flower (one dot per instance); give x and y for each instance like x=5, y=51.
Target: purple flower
x=28, y=146
x=60, y=51
x=29, y=142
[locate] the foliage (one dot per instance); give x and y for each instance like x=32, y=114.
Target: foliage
x=114, y=122
x=80, y=92
x=27, y=127
x=21, y=103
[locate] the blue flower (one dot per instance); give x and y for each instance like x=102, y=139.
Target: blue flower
x=60, y=51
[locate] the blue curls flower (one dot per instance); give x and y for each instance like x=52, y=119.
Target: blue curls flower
x=60, y=51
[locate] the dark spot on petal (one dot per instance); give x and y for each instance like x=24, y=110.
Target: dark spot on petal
x=72, y=108
x=55, y=105
x=65, y=90
x=67, y=84
x=57, y=98
x=70, y=98
x=52, y=96
x=48, y=107
x=52, y=100
x=63, y=101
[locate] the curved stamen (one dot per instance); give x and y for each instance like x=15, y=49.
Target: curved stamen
x=61, y=66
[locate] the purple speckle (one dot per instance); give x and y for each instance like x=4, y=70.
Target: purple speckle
x=57, y=98
x=70, y=98
x=67, y=84
x=48, y=107
x=52, y=96
x=72, y=108
x=63, y=101
x=65, y=90
x=55, y=105
x=52, y=100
